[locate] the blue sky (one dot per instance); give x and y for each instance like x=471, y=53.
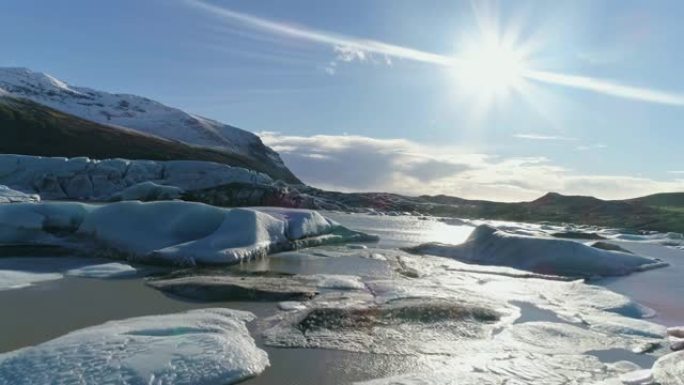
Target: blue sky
x=321, y=101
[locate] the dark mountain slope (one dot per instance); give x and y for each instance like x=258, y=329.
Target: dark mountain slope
x=30, y=128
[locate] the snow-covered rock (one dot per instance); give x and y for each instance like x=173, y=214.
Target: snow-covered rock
x=7, y=195
x=207, y=346
x=169, y=232
x=137, y=113
x=118, y=179
x=490, y=246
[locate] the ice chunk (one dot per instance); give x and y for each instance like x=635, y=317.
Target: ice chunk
x=20, y=272
x=507, y=368
x=207, y=346
x=255, y=288
x=639, y=377
x=669, y=369
x=7, y=195
x=12, y=279
x=291, y=305
x=676, y=331
x=105, y=270
x=171, y=232
x=301, y=223
x=490, y=246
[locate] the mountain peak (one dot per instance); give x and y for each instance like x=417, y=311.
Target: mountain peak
x=21, y=80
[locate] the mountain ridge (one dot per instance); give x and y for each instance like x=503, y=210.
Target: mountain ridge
x=143, y=115
x=29, y=128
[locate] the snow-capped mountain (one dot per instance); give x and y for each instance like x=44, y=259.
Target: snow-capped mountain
x=139, y=114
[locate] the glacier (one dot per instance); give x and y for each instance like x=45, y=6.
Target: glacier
x=7, y=195
x=488, y=245
x=114, y=179
x=168, y=232
x=206, y=346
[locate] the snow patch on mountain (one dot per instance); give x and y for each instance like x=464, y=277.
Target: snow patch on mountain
x=134, y=112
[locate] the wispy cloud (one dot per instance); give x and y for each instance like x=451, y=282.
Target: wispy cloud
x=322, y=37
x=544, y=137
x=587, y=147
x=368, y=46
x=608, y=88
x=359, y=163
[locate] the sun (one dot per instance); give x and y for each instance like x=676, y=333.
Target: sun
x=491, y=68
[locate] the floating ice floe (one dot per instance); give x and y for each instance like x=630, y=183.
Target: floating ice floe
x=16, y=279
x=104, y=270
x=490, y=246
x=7, y=195
x=669, y=369
x=19, y=272
x=665, y=239
x=508, y=368
x=208, y=346
x=255, y=288
x=169, y=232
x=119, y=179
x=483, y=325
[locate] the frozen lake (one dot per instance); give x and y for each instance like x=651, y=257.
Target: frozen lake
x=57, y=305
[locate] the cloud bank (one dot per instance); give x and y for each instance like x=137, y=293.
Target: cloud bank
x=359, y=163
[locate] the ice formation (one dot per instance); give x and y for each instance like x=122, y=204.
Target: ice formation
x=19, y=272
x=90, y=179
x=207, y=346
x=490, y=246
x=168, y=232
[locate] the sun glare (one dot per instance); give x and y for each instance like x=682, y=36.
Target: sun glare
x=491, y=68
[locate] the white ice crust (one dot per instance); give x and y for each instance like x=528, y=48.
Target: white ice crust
x=554, y=348
x=207, y=346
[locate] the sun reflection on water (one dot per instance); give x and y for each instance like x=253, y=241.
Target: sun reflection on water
x=404, y=231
